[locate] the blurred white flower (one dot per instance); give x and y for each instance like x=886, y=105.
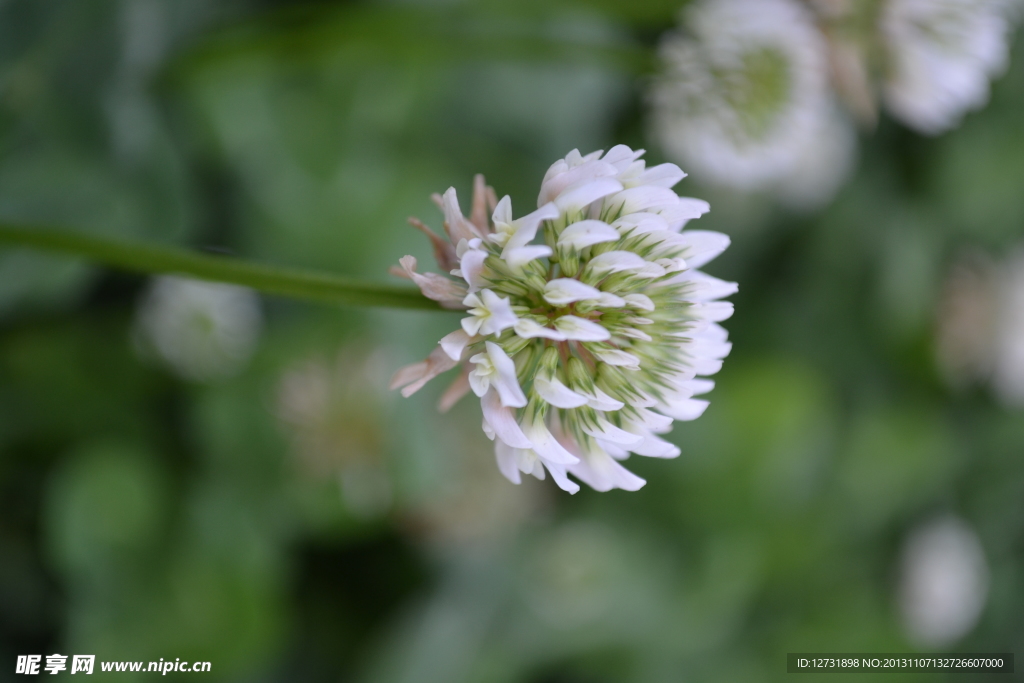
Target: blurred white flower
x=980, y=325
x=574, y=344
x=202, y=330
x=943, y=583
x=941, y=55
x=744, y=100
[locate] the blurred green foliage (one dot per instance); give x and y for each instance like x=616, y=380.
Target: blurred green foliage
x=367, y=538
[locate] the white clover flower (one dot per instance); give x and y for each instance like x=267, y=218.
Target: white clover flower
x=943, y=583
x=202, y=330
x=745, y=100
x=585, y=348
x=941, y=55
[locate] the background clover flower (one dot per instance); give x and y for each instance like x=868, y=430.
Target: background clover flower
x=201, y=330
x=745, y=99
x=585, y=348
x=942, y=54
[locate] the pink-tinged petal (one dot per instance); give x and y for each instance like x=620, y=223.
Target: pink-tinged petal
x=503, y=421
x=437, y=287
x=444, y=251
x=455, y=223
x=478, y=211
x=455, y=391
x=414, y=377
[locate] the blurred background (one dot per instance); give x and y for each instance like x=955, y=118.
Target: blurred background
x=191, y=471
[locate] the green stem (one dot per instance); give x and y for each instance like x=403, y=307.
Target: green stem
x=148, y=258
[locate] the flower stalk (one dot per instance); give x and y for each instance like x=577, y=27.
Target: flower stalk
x=149, y=258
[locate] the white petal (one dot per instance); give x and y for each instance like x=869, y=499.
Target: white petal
x=598, y=400
x=655, y=447
x=685, y=409
x=563, y=291
x=560, y=177
x=715, y=311
x=501, y=316
x=641, y=223
x=519, y=257
x=503, y=212
x=508, y=461
x=557, y=394
x=609, y=432
x=578, y=329
x=665, y=175
x=685, y=210
x=579, y=196
x=587, y=233
x=529, y=329
x=507, y=384
x=454, y=344
x=704, y=287
x=563, y=481
x=472, y=267
x=702, y=246
x=617, y=357
x=526, y=227
x=598, y=470
x=472, y=325
x=502, y=420
x=546, y=446
x=641, y=198
x=615, y=261
x=641, y=301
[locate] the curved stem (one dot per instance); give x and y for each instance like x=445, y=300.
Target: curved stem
x=148, y=258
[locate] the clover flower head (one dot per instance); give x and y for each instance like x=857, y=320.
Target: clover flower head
x=942, y=54
x=202, y=330
x=589, y=328
x=744, y=99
